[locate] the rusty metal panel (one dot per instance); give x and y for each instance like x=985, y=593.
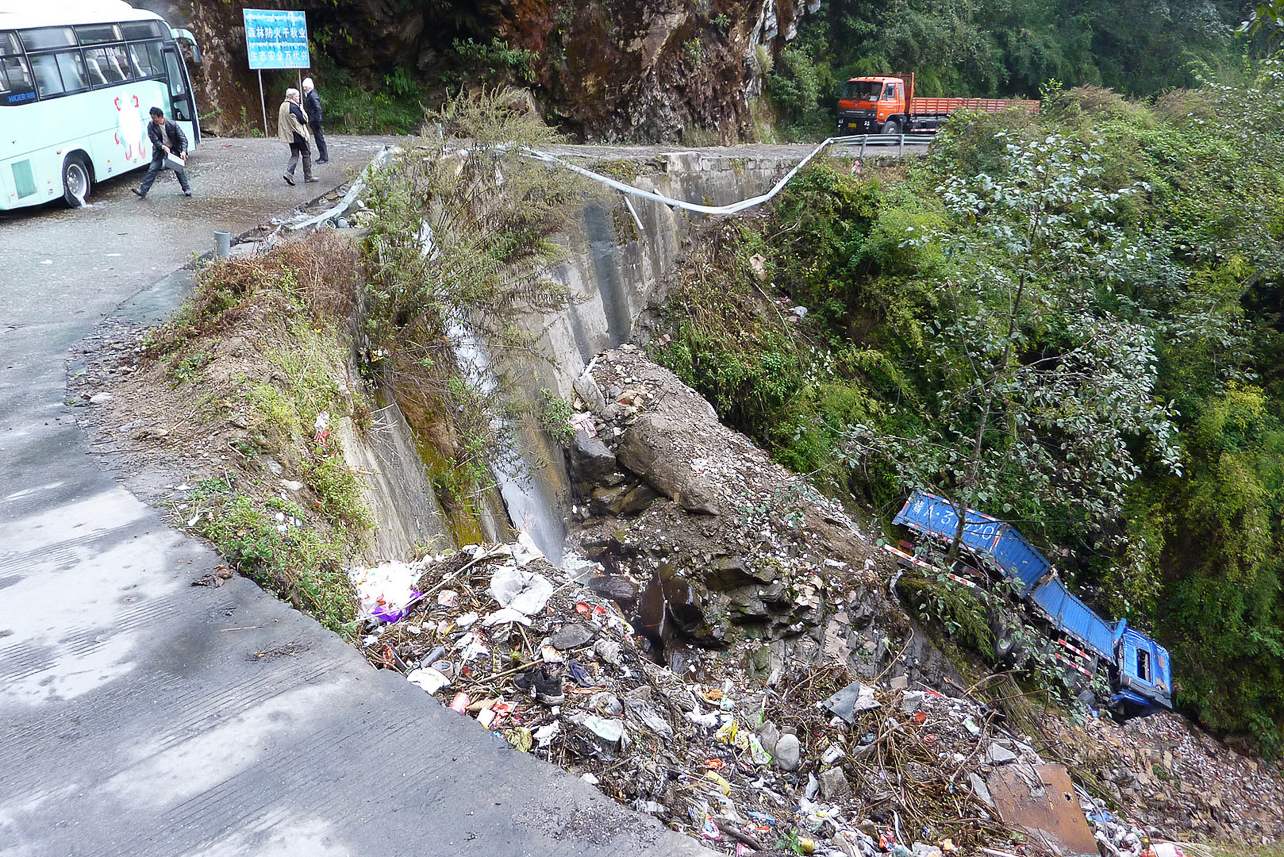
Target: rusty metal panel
x=1044, y=806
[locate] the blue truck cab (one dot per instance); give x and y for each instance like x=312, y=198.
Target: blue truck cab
x=1137, y=666
x=1145, y=678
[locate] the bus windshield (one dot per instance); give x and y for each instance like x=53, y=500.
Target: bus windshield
x=862, y=90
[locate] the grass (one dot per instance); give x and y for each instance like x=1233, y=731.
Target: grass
x=1196, y=850
x=303, y=565
x=289, y=307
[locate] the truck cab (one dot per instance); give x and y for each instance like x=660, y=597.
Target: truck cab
x=1144, y=681
x=872, y=105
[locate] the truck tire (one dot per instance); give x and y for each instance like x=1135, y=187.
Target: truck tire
x=1004, y=644
x=1087, y=698
x=891, y=126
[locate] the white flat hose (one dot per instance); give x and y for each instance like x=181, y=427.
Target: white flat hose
x=733, y=208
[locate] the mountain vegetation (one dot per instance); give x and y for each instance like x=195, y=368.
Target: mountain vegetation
x=997, y=48
x=1071, y=320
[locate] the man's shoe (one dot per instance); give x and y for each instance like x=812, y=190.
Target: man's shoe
x=322, y=161
x=187, y=193
x=287, y=178
x=541, y=685
x=310, y=181
x=138, y=193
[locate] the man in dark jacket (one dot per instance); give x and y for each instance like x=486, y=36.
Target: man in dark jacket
x=167, y=139
x=312, y=104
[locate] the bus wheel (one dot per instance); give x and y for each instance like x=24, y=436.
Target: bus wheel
x=75, y=180
x=891, y=126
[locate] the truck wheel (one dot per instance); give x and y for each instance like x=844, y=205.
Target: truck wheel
x=891, y=126
x=1087, y=698
x=75, y=181
x=1004, y=644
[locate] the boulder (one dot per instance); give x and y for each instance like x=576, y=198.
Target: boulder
x=619, y=589
x=637, y=499
x=834, y=785
x=646, y=449
x=587, y=389
x=980, y=789
x=745, y=605
x=571, y=636
x=997, y=754
x=788, y=753
x=607, y=500
x=589, y=460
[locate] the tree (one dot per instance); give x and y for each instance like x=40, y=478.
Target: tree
x=1044, y=388
x=1266, y=17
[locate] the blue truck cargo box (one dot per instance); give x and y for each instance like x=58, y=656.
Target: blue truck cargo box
x=989, y=537
x=1075, y=618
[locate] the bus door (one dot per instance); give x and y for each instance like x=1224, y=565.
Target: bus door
x=182, y=106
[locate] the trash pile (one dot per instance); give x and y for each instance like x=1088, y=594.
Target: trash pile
x=805, y=759
x=1118, y=839
x=722, y=653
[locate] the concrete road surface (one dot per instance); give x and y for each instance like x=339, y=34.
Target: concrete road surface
x=137, y=713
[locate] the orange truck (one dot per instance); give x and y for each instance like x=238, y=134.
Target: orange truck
x=887, y=105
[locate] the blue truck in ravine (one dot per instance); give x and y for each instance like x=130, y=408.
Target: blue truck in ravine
x=1135, y=667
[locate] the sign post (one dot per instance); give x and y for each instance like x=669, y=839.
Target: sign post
x=275, y=40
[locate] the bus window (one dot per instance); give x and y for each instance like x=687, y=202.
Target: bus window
x=45, y=69
x=142, y=30
x=95, y=34
x=120, y=62
x=94, y=68
x=111, y=64
x=145, y=60
x=48, y=37
x=15, y=81
x=9, y=45
x=73, y=71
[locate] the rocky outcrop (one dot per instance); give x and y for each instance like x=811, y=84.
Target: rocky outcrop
x=651, y=69
x=726, y=542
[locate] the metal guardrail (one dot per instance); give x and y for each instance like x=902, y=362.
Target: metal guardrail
x=863, y=140
x=876, y=140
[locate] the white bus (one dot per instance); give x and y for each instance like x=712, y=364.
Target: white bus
x=76, y=83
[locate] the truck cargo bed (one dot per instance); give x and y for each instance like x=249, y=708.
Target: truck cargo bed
x=943, y=106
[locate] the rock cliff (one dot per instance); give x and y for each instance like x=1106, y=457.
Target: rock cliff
x=641, y=70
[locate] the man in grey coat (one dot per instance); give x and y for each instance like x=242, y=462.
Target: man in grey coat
x=292, y=128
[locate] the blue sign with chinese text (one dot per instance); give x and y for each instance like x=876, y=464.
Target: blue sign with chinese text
x=276, y=39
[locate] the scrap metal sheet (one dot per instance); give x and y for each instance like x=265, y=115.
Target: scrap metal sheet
x=1046, y=809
